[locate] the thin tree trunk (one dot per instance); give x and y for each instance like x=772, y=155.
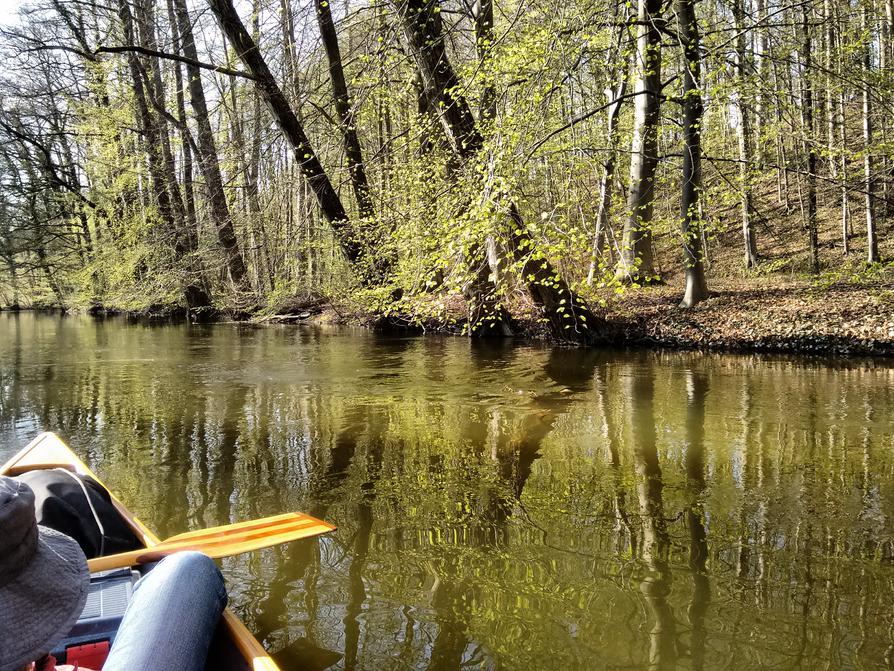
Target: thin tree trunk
x=809, y=139
x=743, y=131
x=885, y=63
x=185, y=148
x=383, y=107
x=831, y=109
x=636, y=263
x=842, y=159
x=347, y=122
x=761, y=55
x=842, y=177
x=868, y=168
x=14, y=282
x=289, y=57
x=603, y=214
x=483, y=14
x=329, y=200
x=196, y=297
x=145, y=16
x=696, y=285
x=208, y=161
x=253, y=171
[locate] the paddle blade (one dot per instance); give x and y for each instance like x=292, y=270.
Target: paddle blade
x=223, y=541
x=231, y=530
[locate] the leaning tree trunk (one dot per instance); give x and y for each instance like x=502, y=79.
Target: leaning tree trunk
x=208, y=161
x=440, y=94
x=693, y=110
x=636, y=263
x=327, y=197
x=568, y=317
x=347, y=122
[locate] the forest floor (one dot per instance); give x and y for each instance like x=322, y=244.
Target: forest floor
x=796, y=316
x=847, y=309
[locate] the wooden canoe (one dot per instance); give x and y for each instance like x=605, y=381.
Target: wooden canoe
x=234, y=647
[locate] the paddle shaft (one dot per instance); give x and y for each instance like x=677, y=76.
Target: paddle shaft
x=223, y=541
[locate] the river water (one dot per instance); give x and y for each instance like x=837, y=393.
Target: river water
x=500, y=506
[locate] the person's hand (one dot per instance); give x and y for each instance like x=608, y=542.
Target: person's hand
x=69, y=667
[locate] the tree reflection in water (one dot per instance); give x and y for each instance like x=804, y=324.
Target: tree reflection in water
x=499, y=505
x=656, y=583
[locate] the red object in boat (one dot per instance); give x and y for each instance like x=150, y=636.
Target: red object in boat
x=88, y=655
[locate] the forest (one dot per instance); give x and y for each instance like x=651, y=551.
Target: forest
x=465, y=162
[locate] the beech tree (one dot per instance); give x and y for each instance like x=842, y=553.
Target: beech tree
x=636, y=262
x=696, y=288
x=329, y=200
x=208, y=160
x=567, y=315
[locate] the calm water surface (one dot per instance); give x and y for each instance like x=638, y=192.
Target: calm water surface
x=499, y=506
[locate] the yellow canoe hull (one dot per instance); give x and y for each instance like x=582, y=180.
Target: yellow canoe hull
x=48, y=451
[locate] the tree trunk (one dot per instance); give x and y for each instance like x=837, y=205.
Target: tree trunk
x=13, y=280
x=743, y=132
x=567, y=315
x=347, y=122
x=761, y=55
x=868, y=168
x=831, y=108
x=809, y=139
x=155, y=89
x=838, y=124
x=289, y=57
x=483, y=14
x=311, y=168
x=885, y=63
x=196, y=297
x=253, y=168
x=603, y=214
x=636, y=262
x=696, y=285
x=440, y=94
x=189, y=197
x=208, y=161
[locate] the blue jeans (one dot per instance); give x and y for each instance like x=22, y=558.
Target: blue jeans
x=172, y=618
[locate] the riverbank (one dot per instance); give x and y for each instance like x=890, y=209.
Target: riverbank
x=796, y=316
x=738, y=317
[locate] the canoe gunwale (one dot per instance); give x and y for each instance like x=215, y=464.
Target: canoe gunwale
x=31, y=457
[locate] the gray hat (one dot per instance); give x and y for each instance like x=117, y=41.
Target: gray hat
x=43, y=580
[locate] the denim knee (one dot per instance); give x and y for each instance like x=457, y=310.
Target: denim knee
x=172, y=618
x=190, y=568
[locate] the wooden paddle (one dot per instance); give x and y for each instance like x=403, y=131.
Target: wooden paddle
x=223, y=541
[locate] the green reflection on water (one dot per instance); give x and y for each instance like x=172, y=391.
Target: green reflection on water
x=501, y=505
